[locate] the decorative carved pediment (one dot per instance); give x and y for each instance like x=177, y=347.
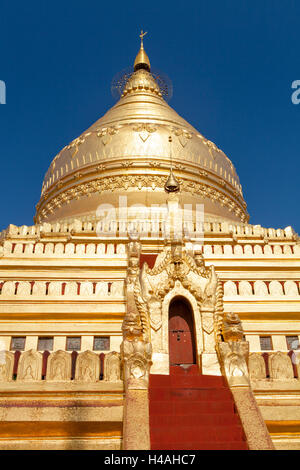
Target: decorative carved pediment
x=177, y=272
x=175, y=263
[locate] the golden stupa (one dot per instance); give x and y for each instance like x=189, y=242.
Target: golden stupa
x=125, y=325
x=127, y=153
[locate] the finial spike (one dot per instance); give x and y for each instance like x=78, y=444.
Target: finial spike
x=142, y=61
x=142, y=38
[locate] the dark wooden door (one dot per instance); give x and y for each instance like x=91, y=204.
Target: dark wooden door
x=181, y=333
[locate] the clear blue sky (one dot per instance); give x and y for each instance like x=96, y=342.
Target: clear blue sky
x=231, y=62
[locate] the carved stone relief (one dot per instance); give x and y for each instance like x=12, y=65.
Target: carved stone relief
x=234, y=358
x=232, y=327
x=30, y=366
x=87, y=367
x=6, y=366
x=59, y=366
x=136, y=357
x=280, y=366
x=112, y=367
x=257, y=367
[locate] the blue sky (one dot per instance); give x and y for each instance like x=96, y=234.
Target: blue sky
x=231, y=62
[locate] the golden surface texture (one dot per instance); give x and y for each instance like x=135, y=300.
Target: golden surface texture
x=127, y=152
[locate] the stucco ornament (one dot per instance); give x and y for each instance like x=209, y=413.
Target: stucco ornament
x=87, y=367
x=59, y=366
x=30, y=366
x=176, y=264
x=136, y=349
x=112, y=367
x=280, y=366
x=136, y=355
x=257, y=367
x=177, y=273
x=232, y=327
x=233, y=351
x=6, y=366
x=234, y=358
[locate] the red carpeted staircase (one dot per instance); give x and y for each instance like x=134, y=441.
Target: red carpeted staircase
x=190, y=411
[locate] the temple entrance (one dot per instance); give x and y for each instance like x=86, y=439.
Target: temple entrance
x=182, y=348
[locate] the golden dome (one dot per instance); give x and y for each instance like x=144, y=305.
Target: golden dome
x=127, y=153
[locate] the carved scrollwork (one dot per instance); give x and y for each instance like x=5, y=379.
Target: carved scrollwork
x=144, y=130
x=234, y=359
x=136, y=357
x=139, y=181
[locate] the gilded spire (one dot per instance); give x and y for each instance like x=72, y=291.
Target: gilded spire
x=142, y=60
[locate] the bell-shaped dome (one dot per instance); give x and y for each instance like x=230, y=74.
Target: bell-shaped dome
x=128, y=153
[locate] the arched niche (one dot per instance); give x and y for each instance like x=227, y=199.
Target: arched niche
x=179, y=292
x=182, y=338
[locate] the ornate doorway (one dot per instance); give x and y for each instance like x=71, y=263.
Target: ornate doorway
x=182, y=348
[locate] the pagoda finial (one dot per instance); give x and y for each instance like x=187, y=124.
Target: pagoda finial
x=142, y=61
x=142, y=38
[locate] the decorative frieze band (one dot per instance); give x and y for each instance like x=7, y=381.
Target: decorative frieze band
x=93, y=290
x=262, y=288
x=89, y=226
x=125, y=182
x=35, y=366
